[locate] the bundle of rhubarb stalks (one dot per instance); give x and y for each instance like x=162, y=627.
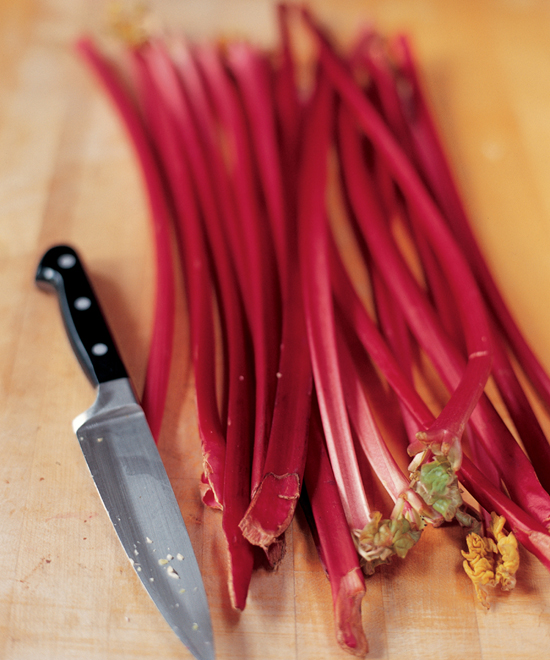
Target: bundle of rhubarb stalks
x=339, y=377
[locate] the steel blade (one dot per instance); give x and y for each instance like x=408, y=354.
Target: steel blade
x=131, y=479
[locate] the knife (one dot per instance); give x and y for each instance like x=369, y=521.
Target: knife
x=124, y=461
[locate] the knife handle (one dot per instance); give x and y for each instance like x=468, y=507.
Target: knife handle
x=61, y=270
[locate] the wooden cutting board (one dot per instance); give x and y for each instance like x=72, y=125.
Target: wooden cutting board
x=67, y=174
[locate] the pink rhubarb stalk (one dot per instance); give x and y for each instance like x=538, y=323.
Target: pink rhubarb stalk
x=160, y=351
x=289, y=107
x=276, y=495
x=335, y=546
x=407, y=115
x=160, y=92
x=313, y=243
x=236, y=476
x=260, y=286
x=515, y=469
x=407, y=503
x=449, y=425
x=531, y=533
x=432, y=160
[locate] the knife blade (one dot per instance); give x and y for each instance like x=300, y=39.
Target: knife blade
x=124, y=461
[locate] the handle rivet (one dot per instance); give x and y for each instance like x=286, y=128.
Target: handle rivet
x=82, y=303
x=48, y=273
x=66, y=261
x=99, y=349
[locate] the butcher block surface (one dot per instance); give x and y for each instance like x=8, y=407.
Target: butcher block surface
x=68, y=174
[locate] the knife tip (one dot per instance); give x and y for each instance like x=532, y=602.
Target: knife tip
x=202, y=647
x=206, y=653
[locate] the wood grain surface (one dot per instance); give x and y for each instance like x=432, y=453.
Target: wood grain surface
x=67, y=174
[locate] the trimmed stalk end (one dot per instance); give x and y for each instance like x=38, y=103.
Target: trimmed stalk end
x=411, y=506
x=208, y=495
x=347, y=614
x=271, y=509
x=276, y=551
x=239, y=572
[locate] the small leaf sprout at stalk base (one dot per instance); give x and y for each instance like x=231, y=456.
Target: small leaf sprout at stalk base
x=382, y=538
x=479, y=564
x=437, y=484
x=491, y=561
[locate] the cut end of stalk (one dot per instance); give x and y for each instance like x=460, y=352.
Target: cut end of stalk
x=347, y=613
x=208, y=496
x=212, y=476
x=275, y=552
x=271, y=509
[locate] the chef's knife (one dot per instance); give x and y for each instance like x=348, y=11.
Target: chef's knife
x=125, y=464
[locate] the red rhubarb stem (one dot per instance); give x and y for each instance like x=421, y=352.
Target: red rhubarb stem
x=431, y=159
x=159, y=91
x=253, y=79
x=335, y=545
x=468, y=386
x=289, y=106
x=530, y=532
x=313, y=243
x=276, y=495
x=236, y=477
x=468, y=298
x=260, y=287
x=514, y=468
x=160, y=351
x=363, y=422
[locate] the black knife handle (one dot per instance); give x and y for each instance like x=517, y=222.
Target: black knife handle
x=61, y=270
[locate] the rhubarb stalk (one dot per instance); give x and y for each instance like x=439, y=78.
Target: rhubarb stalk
x=160, y=351
x=259, y=284
x=516, y=470
x=276, y=494
x=433, y=160
x=447, y=431
x=319, y=309
x=236, y=476
x=159, y=90
x=336, y=548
